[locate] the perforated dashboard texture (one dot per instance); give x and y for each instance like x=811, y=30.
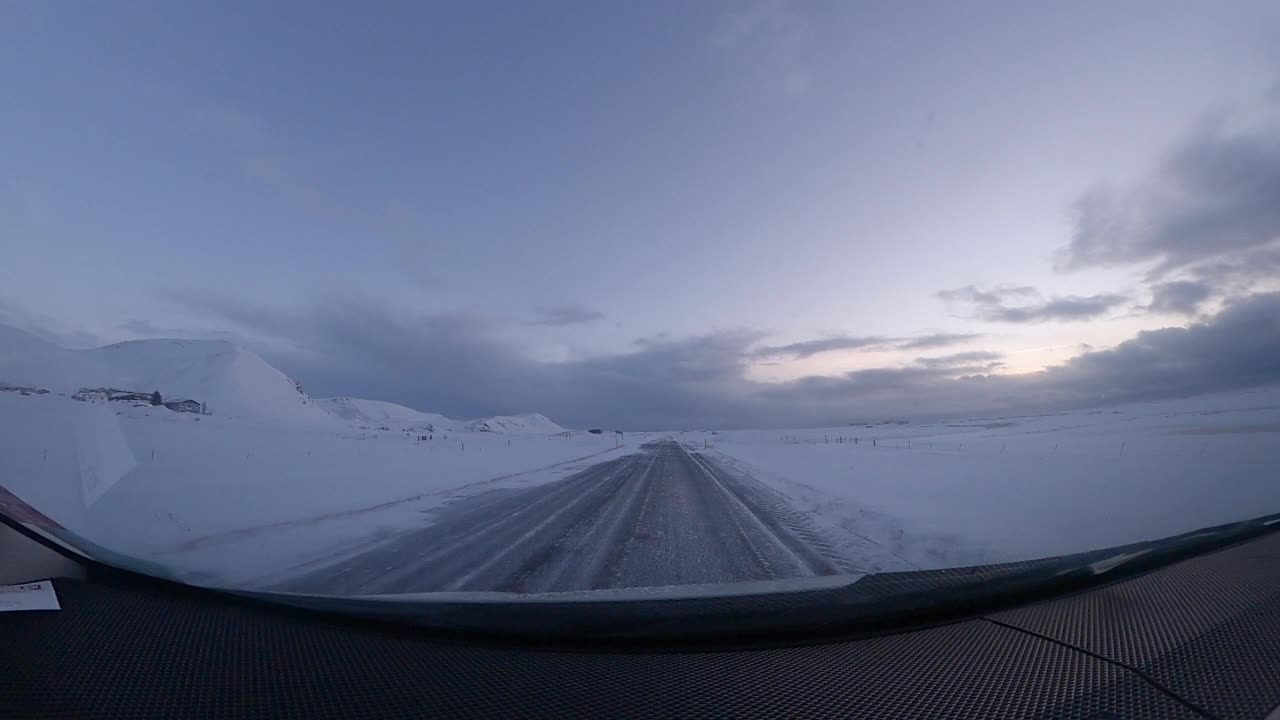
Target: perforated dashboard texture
x=1204, y=630
x=1208, y=628
x=118, y=653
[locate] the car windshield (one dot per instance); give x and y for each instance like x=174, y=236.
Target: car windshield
x=642, y=299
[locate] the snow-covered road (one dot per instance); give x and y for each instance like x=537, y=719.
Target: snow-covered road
x=663, y=516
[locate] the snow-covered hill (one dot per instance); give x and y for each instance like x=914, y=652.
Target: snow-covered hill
x=228, y=379
x=379, y=414
x=376, y=413
x=527, y=423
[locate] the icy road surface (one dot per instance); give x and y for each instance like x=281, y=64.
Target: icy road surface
x=663, y=516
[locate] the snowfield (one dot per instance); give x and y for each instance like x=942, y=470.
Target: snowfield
x=984, y=490
x=272, y=483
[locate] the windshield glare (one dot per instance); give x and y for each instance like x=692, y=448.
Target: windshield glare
x=650, y=300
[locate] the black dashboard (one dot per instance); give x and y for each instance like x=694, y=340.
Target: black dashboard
x=1199, y=638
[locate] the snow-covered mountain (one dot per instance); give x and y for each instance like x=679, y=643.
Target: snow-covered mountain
x=376, y=413
x=526, y=423
x=228, y=379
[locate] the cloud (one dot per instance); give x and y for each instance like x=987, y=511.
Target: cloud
x=1238, y=347
x=253, y=324
x=143, y=329
x=983, y=359
x=1181, y=297
x=1215, y=194
x=1241, y=271
x=260, y=159
x=565, y=315
x=809, y=348
x=44, y=327
x=1001, y=304
x=995, y=296
x=937, y=340
x=460, y=365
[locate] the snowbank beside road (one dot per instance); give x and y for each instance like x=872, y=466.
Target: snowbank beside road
x=996, y=489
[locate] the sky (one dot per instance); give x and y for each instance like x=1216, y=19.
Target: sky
x=655, y=214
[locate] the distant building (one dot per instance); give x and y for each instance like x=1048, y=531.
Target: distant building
x=190, y=406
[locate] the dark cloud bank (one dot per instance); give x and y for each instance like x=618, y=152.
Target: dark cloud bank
x=457, y=365
x=1181, y=297
x=1216, y=194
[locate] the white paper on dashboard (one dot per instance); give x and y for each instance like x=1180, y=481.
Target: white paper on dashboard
x=28, y=596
